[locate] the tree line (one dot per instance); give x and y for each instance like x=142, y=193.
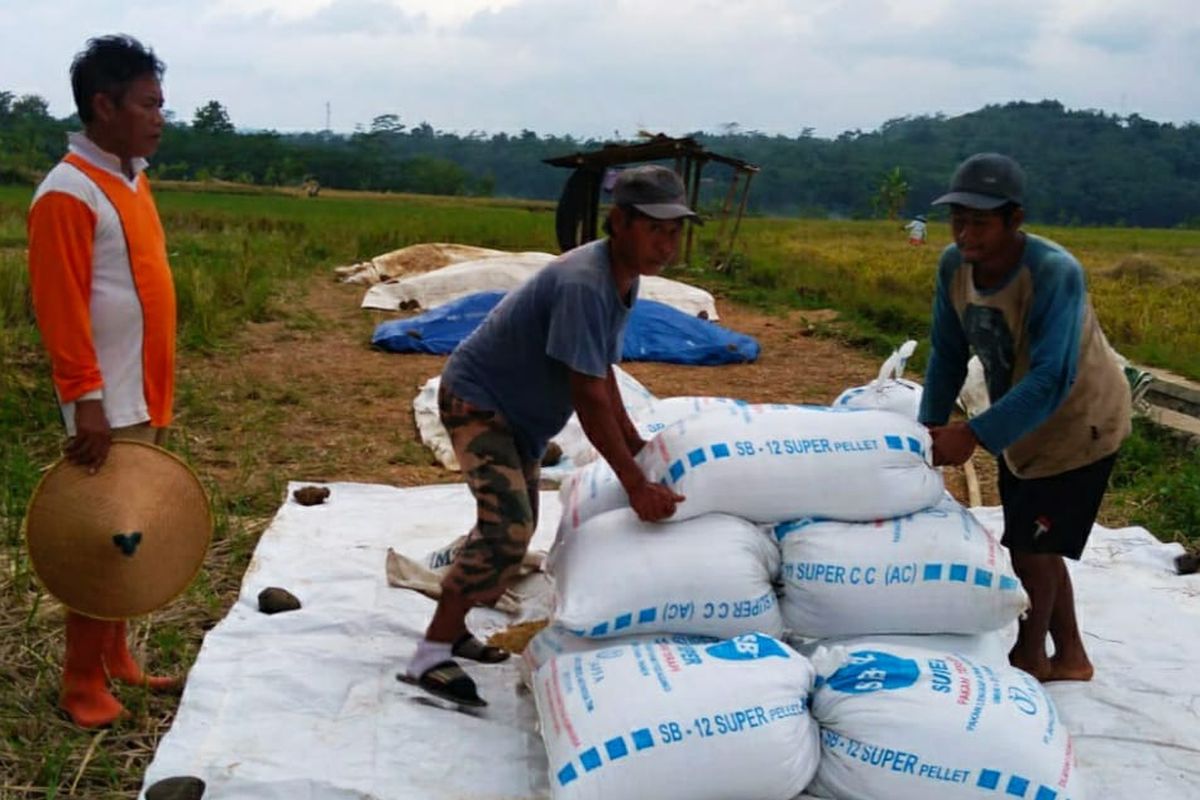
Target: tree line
x=1084, y=166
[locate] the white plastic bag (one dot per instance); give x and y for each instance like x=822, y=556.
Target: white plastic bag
x=772, y=463
x=889, y=391
x=671, y=720
x=576, y=448
x=616, y=575
x=935, y=571
x=910, y=724
x=974, y=398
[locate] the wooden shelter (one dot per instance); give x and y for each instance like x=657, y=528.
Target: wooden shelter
x=578, y=215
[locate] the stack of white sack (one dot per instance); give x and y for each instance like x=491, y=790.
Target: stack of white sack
x=937, y=570
x=774, y=463
x=672, y=717
x=889, y=391
x=911, y=723
x=631, y=691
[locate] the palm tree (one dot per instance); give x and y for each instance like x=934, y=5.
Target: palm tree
x=891, y=194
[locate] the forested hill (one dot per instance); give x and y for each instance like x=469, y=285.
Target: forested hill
x=1085, y=167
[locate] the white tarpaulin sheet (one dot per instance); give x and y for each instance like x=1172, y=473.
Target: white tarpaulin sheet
x=507, y=271
x=305, y=705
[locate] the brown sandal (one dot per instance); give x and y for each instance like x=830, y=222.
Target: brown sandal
x=470, y=648
x=447, y=681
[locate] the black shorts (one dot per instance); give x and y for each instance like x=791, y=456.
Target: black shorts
x=1054, y=514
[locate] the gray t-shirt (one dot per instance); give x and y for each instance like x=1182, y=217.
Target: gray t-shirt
x=568, y=315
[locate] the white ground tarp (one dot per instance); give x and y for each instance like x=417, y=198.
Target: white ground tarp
x=305, y=705
x=507, y=271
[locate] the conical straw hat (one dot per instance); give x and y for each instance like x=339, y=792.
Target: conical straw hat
x=124, y=541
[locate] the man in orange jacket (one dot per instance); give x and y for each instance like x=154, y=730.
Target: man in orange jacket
x=105, y=305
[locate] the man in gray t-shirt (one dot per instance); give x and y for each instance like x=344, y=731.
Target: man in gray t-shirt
x=546, y=350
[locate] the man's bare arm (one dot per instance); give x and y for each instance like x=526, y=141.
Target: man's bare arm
x=592, y=400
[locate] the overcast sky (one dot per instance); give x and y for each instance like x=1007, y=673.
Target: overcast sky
x=592, y=67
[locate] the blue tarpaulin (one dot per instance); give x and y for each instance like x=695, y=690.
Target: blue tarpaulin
x=655, y=332
x=439, y=330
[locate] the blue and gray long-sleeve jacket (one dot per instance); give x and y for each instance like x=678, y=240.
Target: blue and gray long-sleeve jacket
x=1059, y=398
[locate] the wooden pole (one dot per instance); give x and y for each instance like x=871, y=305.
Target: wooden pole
x=737, y=223
x=725, y=209
x=697, y=166
x=974, y=496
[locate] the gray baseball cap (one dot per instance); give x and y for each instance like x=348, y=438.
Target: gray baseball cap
x=985, y=181
x=655, y=191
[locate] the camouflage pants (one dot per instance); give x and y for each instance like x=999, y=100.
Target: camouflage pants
x=505, y=487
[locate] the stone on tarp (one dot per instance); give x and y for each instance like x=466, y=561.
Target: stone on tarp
x=274, y=600
x=180, y=787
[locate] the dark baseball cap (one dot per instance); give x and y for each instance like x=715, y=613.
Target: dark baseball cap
x=985, y=181
x=655, y=191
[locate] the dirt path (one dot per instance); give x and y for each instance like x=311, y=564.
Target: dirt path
x=307, y=398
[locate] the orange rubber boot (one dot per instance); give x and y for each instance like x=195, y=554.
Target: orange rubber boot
x=85, y=694
x=121, y=665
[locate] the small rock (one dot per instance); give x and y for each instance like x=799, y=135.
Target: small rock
x=311, y=495
x=274, y=600
x=552, y=456
x=1187, y=563
x=177, y=788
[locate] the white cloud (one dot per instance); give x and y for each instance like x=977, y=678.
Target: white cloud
x=591, y=66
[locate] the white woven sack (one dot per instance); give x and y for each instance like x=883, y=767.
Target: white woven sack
x=935, y=571
x=669, y=410
x=889, y=391
x=989, y=648
x=911, y=724
x=773, y=463
x=555, y=640
x=676, y=721
x=648, y=414
x=616, y=575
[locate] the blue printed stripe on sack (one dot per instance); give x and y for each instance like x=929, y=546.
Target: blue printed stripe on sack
x=614, y=749
x=1016, y=786
x=958, y=573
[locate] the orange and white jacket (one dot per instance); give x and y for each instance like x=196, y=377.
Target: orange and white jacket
x=102, y=288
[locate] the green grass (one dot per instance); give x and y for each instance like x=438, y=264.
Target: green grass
x=1156, y=483
x=1144, y=283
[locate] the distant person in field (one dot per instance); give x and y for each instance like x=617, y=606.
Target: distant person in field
x=105, y=305
x=546, y=350
x=1060, y=404
x=916, y=230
